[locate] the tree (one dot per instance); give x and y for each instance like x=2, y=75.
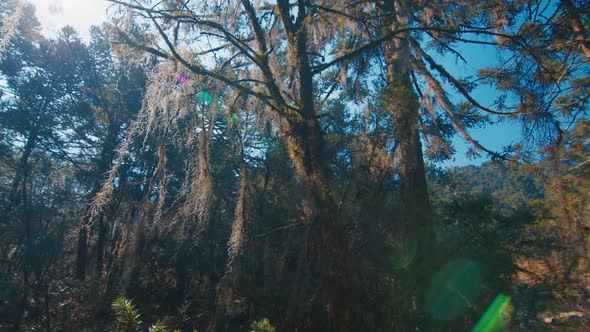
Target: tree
x=44, y=88
x=99, y=123
x=11, y=12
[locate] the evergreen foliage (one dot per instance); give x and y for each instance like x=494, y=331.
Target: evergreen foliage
x=262, y=325
x=128, y=318
x=221, y=161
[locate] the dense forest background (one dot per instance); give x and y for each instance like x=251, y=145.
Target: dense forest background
x=238, y=165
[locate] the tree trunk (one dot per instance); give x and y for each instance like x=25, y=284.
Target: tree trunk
x=319, y=290
x=23, y=167
x=82, y=253
x=416, y=212
x=100, y=244
x=319, y=299
x=21, y=179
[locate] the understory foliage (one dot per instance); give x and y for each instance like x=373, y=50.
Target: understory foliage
x=223, y=161
x=262, y=326
x=128, y=318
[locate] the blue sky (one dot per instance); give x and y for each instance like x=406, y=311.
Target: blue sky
x=494, y=137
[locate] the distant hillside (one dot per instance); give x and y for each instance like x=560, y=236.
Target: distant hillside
x=509, y=187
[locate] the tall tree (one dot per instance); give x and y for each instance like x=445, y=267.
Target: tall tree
x=40, y=92
x=99, y=122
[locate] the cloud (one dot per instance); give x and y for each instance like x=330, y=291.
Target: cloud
x=80, y=14
x=56, y=8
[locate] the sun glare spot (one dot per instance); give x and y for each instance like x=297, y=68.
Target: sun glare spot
x=495, y=318
x=454, y=289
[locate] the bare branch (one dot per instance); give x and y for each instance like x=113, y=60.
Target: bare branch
x=262, y=56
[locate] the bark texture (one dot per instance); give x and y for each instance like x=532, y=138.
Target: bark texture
x=402, y=100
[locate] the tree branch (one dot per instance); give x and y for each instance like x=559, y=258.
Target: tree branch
x=458, y=85
x=262, y=56
x=443, y=101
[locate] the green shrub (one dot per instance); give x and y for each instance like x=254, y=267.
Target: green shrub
x=158, y=327
x=127, y=316
x=262, y=325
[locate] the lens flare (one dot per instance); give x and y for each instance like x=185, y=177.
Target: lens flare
x=495, y=317
x=204, y=97
x=454, y=289
x=181, y=78
x=405, y=252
